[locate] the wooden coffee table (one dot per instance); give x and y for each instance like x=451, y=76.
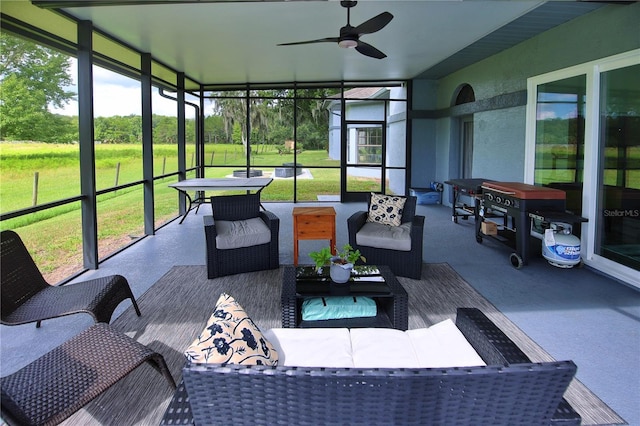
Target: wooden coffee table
x=390, y=297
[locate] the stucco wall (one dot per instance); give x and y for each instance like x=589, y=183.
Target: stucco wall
x=498, y=145
x=423, y=153
x=499, y=135
x=604, y=32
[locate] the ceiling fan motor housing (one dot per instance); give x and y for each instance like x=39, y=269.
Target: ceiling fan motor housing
x=348, y=38
x=348, y=3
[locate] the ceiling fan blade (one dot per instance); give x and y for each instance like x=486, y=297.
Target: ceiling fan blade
x=374, y=24
x=369, y=50
x=320, y=40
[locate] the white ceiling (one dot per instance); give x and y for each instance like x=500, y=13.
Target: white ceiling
x=236, y=42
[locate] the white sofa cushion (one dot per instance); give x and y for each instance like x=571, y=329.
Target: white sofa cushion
x=443, y=345
x=241, y=233
x=312, y=347
x=382, y=348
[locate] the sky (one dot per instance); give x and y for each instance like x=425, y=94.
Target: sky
x=557, y=105
x=115, y=94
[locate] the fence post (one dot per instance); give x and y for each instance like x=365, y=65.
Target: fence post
x=212, y=152
x=36, y=175
x=164, y=163
x=192, y=154
x=117, y=173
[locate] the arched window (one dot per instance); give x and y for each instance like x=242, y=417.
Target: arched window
x=465, y=95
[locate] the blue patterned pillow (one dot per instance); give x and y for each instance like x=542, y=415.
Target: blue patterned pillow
x=231, y=337
x=386, y=209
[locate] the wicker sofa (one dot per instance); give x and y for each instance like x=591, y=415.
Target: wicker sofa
x=509, y=390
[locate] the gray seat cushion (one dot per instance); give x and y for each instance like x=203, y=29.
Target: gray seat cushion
x=384, y=236
x=241, y=233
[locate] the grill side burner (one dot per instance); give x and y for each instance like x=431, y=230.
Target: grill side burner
x=516, y=200
x=465, y=187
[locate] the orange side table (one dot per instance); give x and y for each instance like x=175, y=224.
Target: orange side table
x=313, y=223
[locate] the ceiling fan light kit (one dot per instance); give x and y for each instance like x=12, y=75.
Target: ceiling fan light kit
x=350, y=36
x=347, y=43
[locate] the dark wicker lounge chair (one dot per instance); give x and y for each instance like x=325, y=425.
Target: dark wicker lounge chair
x=402, y=263
x=27, y=297
x=62, y=381
x=228, y=261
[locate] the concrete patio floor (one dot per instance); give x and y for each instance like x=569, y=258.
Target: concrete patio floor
x=575, y=314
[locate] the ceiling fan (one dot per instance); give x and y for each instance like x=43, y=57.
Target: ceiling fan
x=350, y=36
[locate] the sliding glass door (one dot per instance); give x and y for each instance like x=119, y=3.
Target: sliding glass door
x=618, y=195
x=583, y=136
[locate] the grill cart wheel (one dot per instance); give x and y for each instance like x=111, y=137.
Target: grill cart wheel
x=516, y=260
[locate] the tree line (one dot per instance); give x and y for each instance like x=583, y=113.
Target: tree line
x=34, y=77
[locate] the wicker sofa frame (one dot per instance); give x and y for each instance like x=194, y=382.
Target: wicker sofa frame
x=27, y=297
x=501, y=393
x=402, y=263
x=244, y=259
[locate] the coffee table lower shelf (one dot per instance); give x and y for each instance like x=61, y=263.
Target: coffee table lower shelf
x=392, y=308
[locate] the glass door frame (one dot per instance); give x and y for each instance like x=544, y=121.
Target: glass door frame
x=353, y=196
x=592, y=71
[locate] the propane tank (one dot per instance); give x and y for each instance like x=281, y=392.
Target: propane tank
x=560, y=247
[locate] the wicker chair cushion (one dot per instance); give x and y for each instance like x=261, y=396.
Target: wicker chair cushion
x=312, y=347
x=241, y=233
x=384, y=236
x=231, y=337
x=386, y=209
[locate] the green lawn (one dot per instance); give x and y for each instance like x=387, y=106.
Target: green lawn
x=54, y=236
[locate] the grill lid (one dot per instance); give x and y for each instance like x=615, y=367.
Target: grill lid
x=525, y=191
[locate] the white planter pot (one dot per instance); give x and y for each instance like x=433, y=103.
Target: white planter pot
x=340, y=273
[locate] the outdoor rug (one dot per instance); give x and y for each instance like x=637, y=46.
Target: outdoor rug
x=176, y=308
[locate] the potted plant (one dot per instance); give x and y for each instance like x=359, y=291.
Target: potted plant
x=341, y=263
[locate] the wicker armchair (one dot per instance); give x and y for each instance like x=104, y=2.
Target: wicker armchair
x=27, y=297
x=239, y=258
x=402, y=263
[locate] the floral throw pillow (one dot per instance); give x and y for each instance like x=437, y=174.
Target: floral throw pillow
x=386, y=209
x=231, y=337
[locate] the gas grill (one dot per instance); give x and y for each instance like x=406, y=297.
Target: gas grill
x=510, y=203
x=465, y=187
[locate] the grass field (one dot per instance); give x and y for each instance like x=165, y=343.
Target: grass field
x=54, y=235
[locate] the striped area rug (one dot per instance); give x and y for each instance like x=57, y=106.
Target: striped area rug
x=175, y=309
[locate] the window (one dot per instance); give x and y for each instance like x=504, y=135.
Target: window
x=369, y=145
